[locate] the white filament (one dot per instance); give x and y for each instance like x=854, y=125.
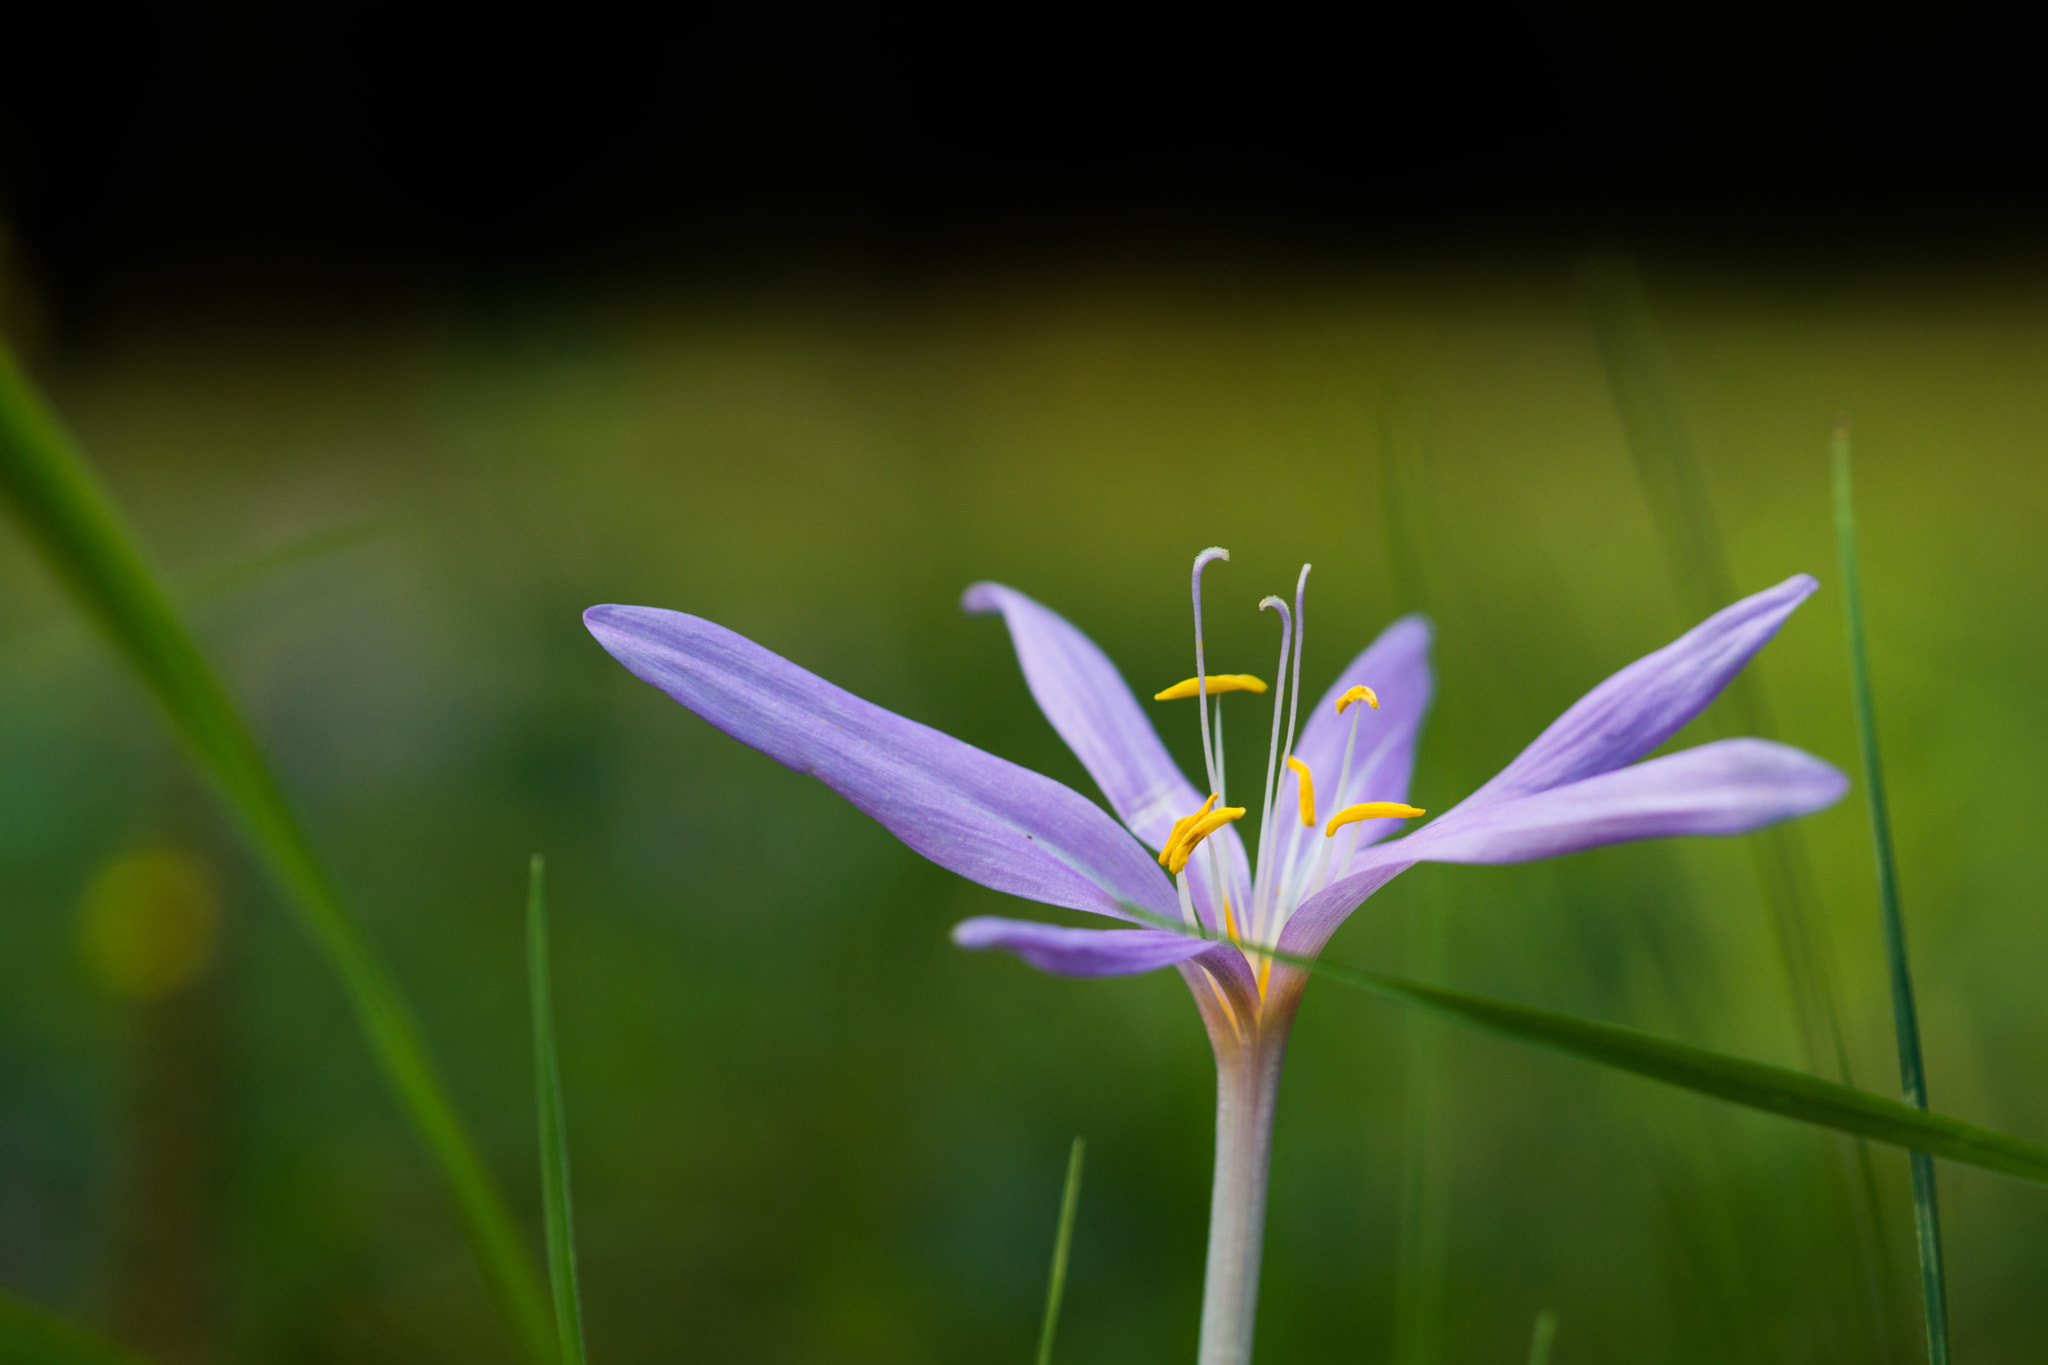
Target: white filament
x=1262, y=895
x=1212, y=753
x=1317, y=880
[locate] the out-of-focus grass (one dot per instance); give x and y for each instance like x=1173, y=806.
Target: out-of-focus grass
x=36, y=1338
x=1905, y=1013
x=806, y=1127
x=1062, y=1247
x=557, y=1214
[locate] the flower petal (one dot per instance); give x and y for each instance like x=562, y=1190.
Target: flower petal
x=1080, y=952
x=1317, y=917
x=1731, y=786
x=1209, y=967
x=1649, y=701
x=984, y=817
x=1092, y=708
x=1396, y=667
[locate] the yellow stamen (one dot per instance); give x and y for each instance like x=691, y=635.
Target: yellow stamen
x=1229, y=921
x=1371, y=810
x=1198, y=831
x=1359, y=693
x=1308, y=790
x=1180, y=829
x=1218, y=682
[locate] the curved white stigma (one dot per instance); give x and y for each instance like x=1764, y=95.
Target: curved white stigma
x=1262, y=893
x=1209, y=754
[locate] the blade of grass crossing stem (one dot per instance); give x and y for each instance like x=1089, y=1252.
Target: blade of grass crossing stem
x=554, y=1144
x=73, y=523
x=34, y=1337
x=1542, y=1338
x=1905, y=1018
x=1754, y=1085
x=1056, y=1284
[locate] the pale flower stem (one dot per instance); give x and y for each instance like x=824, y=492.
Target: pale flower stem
x=1247, y=1082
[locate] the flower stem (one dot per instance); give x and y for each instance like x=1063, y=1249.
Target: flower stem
x=1247, y=1082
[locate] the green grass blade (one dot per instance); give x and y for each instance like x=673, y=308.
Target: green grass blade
x=1905, y=1017
x=1755, y=1085
x=1056, y=1286
x=1642, y=381
x=30, y=1336
x=73, y=522
x=554, y=1144
x=246, y=571
x=1542, y=1337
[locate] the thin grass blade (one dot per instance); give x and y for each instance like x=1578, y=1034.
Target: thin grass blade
x=1755, y=1085
x=1056, y=1285
x=554, y=1143
x=30, y=1336
x=73, y=523
x=1542, y=1337
x=1905, y=1016
x=1737, y=1080
x=246, y=571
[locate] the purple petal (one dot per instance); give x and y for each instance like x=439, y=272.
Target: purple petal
x=1317, y=917
x=1088, y=703
x=1117, y=952
x=1649, y=701
x=1731, y=786
x=1396, y=667
x=1080, y=952
x=984, y=817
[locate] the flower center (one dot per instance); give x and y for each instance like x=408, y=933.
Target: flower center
x=1276, y=890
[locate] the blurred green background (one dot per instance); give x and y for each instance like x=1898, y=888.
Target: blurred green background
x=804, y=1127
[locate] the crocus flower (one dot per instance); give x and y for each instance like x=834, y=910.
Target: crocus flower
x=1328, y=805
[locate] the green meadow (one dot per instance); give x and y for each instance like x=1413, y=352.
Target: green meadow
x=803, y=1126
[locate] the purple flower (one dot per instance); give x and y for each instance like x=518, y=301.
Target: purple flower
x=1328, y=804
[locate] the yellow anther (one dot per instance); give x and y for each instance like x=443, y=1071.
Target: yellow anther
x=1202, y=828
x=1308, y=790
x=1180, y=829
x=1359, y=693
x=1218, y=682
x=1371, y=810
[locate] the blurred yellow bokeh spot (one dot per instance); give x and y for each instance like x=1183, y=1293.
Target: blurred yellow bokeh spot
x=149, y=922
